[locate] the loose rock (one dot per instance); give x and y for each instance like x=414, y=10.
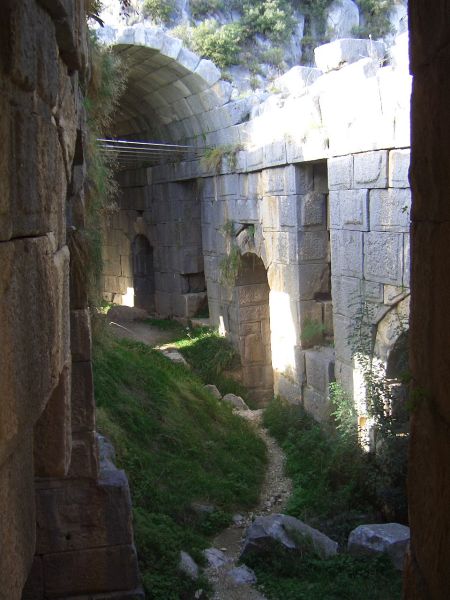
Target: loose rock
x=290, y=532
x=188, y=565
x=215, y=557
x=212, y=389
x=242, y=575
x=388, y=538
x=235, y=401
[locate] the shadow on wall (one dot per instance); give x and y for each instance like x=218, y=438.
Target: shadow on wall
x=143, y=274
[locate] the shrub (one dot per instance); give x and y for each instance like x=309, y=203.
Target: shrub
x=273, y=18
x=220, y=43
x=160, y=11
x=375, y=15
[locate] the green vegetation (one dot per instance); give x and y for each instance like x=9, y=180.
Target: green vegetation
x=220, y=43
x=178, y=445
x=213, y=158
x=105, y=87
x=375, y=15
x=286, y=576
x=159, y=11
x=333, y=491
x=330, y=473
x=272, y=18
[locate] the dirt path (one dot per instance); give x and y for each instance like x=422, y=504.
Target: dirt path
x=274, y=494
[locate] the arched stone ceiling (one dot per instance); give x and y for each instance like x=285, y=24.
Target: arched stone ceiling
x=172, y=94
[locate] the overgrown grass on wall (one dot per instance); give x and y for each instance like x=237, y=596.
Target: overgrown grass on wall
x=178, y=445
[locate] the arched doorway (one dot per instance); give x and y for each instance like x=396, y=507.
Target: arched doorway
x=143, y=273
x=253, y=325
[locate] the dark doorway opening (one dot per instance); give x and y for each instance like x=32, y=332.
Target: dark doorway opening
x=143, y=273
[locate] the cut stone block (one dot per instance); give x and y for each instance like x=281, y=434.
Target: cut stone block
x=383, y=257
x=349, y=209
x=319, y=368
x=399, y=161
x=347, y=253
x=317, y=404
x=390, y=210
x=296, y=79
x=312, y=245
x=340, y=173
x=337, y=54
x=370, y=169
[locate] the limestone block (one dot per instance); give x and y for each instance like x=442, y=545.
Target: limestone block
x=312, y=245
x=285, y=247
x=312, y=209
x=399, y=161
x=252, y=294
x=191, y=260
x=345, y=51
x=279, y=212
x=32, y=276
x=383, y=257
x=370, y=169
x=317, y=404
x=327, y=308
x=83, y=408
x=76, y=515
x=255, y=159
x=222, y=90
x=347, y=295
x=287, y=388
x=390, y=210
x=96, y=570
x=208, y=71
x=313, y=278
x=340, y=173
x=189, y=305
x=52, y=432
x=281, y=181
x=171, y=47
x=284, y=278
x=228, y=185
x=342, y=18
x=373, y=292
x=259, y=376
x=347, y=253
x=319, y=368
x=385, y=538
x=17, y=519
x=84, y=459
x=296, y=79
x=393, y=294
x=253, y=313
x=344, y=375
x=274, y=154
x=343, y=328
x=349, y=209
x=245, y=210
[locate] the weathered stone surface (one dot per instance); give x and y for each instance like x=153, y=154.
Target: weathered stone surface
x=80, y=335
x=342, y=17
x=349, y=209
x=317, y=404
x=53, y=432
x=344, y=51
x=312, y=209
x=242, y=575
x=399, y=161
x=17, y=520
x=347, y=253
x=96, y=570
x=319, y=368
x=313, y=278
x=340, y=173
x=31, y=270
x=390, y=210
x=215, y=557
x=188, y=566
x=83, y=413
x=370, y=169
x=84, y=458
x=291, y=533
x=383, y=257
x=296, y=79
x=76, y=515
x=235, y=401
x=212, y=389
x=312, y=245
x=387, y=538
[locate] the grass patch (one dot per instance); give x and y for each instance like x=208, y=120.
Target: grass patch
x=333, y=491
x=178, y=445
x=332, y=487
x=288, y=576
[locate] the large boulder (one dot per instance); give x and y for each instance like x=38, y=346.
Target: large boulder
x=340, y=53
x=292, y=534
x=235, y=401
x=388, y=538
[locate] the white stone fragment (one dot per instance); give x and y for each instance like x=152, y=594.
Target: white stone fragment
x=341, y=52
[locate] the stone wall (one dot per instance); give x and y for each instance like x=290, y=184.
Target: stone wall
x=55, y=505
x=341, y=128
x=429, y=477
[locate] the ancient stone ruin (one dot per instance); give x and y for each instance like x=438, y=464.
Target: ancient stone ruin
x=301, y=219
